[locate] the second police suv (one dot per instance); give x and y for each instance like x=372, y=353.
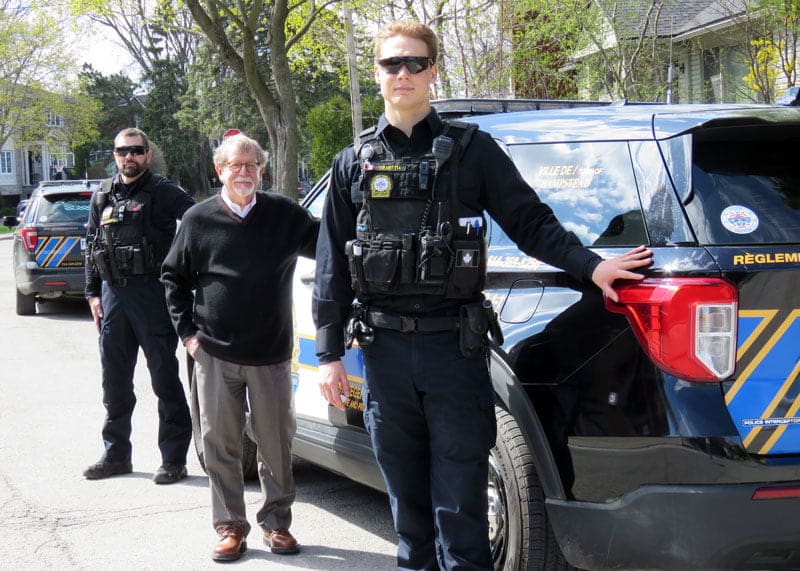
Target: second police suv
x=660, y=432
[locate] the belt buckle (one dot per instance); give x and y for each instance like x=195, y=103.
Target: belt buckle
x=408, y=324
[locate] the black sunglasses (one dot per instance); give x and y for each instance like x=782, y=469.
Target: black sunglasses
x=135, y=150
x=414, y=64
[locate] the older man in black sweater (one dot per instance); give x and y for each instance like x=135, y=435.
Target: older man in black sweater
x=228, y=278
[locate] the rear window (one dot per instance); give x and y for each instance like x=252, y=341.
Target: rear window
x=62, y=208
x=745, y=192
x=590, y=187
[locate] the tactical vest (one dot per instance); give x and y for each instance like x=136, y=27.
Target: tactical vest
x=413, y=236
x=122, y=246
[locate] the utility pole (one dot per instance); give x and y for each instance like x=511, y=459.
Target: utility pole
x=670, y=68
x=352, y=68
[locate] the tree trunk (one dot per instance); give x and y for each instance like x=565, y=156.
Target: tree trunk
x=272, y=88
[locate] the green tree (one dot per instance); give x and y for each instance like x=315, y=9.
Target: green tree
x=474, y=41
x=781, y=33
x=34, y=80
x=330, y=125
x=763, y=69
x=254, y=39
x=613, y=46
x=546, y=37
x=217, y=99
x=118, y=98
x=181, y=146
x=318, y=64
x=768, y=32
x=159, y=37
x=151, y=31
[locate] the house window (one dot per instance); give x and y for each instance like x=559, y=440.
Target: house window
x=54, y=120
x=6, y=162
x=712, y=76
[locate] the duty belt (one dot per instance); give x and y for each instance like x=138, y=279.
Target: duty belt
x=407, y=324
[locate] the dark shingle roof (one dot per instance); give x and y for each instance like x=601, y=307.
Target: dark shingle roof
x=675, y=17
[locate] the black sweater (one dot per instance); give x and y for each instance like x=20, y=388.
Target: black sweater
x=229, y=280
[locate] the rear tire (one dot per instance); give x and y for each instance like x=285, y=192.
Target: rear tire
x=519, y=530
x=26, y=304
x=249, y=448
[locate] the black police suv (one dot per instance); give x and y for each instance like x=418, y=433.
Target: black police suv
x=49, y=243
x=660, y=432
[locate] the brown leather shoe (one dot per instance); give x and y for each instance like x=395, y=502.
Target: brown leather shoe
x=280, y=541
x=231, y=544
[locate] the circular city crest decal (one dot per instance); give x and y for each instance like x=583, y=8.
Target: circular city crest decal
x=381, y=186
x=739, y=219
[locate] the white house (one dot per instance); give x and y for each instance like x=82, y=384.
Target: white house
x=24, y=164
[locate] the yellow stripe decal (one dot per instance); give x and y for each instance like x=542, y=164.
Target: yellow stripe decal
x=767, y=314
x=789, y=413
x=785, y=386
x=729, y=396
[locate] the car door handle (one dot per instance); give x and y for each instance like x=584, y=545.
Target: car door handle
x=307, y=279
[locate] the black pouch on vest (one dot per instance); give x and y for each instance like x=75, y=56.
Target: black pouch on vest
x=473, y=326
x=433, y=259
x=102, y=263
x=380, y=265
x=355, y=260
x=140, y=263
x=469, y=269
x=123, y=256
x=408, y=260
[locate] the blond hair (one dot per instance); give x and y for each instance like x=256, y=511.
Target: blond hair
x=410, y=29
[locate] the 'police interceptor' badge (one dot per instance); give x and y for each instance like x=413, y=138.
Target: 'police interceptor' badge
x=739, y=219
x=380, y=186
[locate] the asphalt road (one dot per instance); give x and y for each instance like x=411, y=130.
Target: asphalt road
x=52, y=518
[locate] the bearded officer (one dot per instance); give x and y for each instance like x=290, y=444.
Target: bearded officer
x=132, y=222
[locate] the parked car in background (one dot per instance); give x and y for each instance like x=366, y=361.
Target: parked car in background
x=21, y=207
x=49, y=243
x=660, y=432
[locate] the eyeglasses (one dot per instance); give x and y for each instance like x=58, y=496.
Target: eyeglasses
x=237, y=167
x=414, y=64
x=135, y=150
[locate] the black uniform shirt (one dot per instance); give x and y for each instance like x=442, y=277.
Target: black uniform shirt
x=487, y=180
x=169, y=202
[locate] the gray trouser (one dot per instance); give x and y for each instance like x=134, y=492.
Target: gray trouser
x=221, y=389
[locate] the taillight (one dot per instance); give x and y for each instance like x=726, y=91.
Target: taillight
x=687, y=326
x=776, y=493
x=30, y=236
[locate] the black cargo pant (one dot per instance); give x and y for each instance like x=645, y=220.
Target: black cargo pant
x=430, y=414
x=135, y=315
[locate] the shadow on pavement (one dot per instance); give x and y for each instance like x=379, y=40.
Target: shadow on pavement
x=63, y=310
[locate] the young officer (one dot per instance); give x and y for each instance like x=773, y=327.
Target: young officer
x=403, y=230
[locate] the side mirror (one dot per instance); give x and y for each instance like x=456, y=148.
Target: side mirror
x=10, y=221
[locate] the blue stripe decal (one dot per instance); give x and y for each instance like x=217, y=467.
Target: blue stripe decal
x=756, y=394
x=746, y=327
x=43, y=253
x=64, y=249
x=353, y=358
